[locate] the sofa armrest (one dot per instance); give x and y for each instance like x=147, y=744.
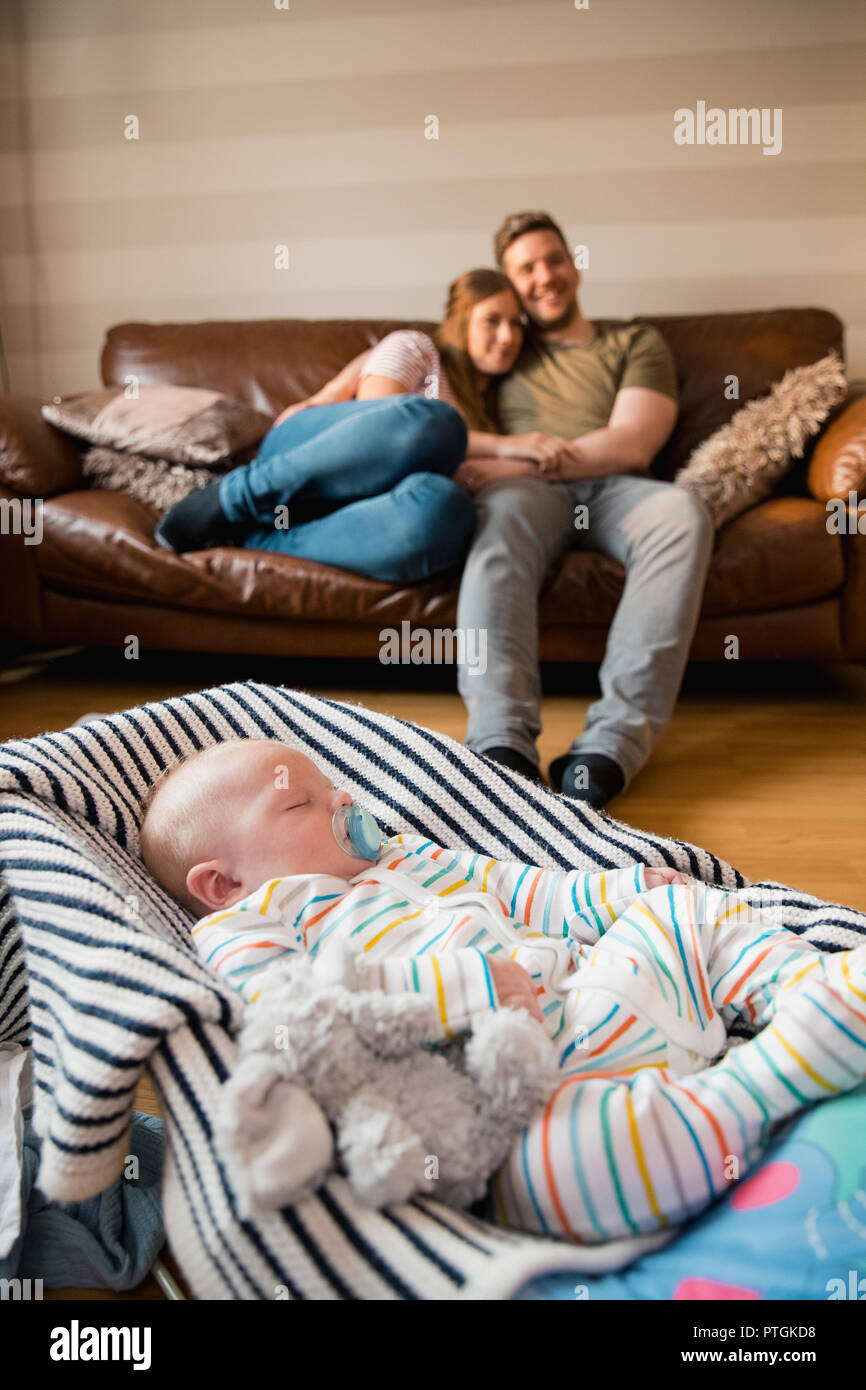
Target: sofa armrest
x=854, y=593
x=21, y=614
x=838, y=462
x=837, y=468
x=36, y=460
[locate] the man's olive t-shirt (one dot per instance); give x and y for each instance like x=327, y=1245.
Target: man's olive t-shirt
x=569, y=389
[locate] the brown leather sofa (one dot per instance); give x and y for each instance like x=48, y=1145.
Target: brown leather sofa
x=778, y=580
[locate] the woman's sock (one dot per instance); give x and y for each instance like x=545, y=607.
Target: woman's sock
x=197, y=522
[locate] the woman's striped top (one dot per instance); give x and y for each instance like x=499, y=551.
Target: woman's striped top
x=411, y=357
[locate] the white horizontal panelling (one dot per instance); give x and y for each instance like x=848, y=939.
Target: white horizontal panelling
x=810, y=245
x=734, y=255
x=432, y=40
x=134, y=169
x=47, y=19
x=855, y=350
x=49, y=373
x=73, y=324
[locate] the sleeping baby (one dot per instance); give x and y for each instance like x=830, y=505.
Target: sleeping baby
x=634, y=973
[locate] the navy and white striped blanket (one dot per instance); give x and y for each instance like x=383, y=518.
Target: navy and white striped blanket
x=98, y=976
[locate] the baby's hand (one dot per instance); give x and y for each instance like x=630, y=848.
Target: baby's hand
x=656, y=877
x=514, y=987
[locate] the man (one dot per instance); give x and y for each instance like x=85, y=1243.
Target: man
x=609, y=394
x=612, y=392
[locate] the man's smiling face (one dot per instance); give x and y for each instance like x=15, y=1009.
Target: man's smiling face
x=545, y=277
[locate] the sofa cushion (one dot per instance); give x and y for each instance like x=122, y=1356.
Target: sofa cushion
x=174, y=423
x=776, y=555
x=101, y=544
x=741, y=463
x=271, y=363
x=717, y=354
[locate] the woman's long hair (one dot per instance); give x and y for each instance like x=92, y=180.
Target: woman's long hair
x=452, y=337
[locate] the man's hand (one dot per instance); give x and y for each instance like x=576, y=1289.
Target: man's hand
x=514, y=987
x=640, y=423
x=549, y=451
x=568, y=463
x=656, y=877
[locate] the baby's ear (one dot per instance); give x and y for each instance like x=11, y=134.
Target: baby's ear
x=211, y=884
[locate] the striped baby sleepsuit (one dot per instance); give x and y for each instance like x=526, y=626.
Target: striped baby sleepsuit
x=636, y=987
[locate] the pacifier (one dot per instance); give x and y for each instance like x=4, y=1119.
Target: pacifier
x=357, y=832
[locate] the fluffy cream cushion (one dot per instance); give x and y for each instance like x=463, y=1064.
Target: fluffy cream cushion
x=742, y=462
x=155, y=482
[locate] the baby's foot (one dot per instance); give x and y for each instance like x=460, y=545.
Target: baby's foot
x=840, y=971
x=822, y=1014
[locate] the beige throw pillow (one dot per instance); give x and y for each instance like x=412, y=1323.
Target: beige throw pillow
x=742, y=462
x=180, y=424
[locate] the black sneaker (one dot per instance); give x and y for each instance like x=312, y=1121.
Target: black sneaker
x=589, y=777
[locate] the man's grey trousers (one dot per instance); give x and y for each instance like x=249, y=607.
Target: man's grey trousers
x=663, y=537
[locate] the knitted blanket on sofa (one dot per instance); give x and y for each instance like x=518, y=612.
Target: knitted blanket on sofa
x=98, y=977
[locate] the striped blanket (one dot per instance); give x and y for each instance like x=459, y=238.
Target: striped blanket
x=98, y=977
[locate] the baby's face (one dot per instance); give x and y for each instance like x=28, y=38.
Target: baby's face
x=278, y=809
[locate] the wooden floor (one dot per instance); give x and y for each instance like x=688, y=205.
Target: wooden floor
x=763, y=765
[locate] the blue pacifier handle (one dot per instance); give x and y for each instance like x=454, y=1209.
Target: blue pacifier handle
x=357, y=832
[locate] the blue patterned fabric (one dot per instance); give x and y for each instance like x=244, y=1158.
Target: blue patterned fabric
x=793, y=1230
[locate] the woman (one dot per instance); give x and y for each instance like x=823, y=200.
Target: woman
x=381, y=485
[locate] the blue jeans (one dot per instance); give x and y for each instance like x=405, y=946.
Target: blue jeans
x=382, y=469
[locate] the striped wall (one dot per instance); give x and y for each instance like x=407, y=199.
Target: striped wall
x=305, y=127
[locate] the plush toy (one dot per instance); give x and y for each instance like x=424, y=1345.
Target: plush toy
x=329, y=1076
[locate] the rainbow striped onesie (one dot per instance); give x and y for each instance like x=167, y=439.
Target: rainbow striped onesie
x=650, y=1121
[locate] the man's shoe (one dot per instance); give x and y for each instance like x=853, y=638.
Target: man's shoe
x=509, y=757
x=196, y=522
x=589, y=777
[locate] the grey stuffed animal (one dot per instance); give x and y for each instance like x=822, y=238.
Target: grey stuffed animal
x=328, y=1076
